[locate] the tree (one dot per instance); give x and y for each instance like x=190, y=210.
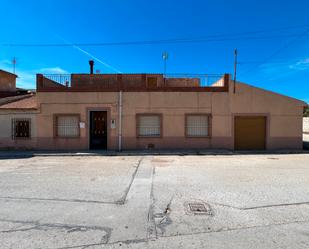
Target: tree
x=306, y=111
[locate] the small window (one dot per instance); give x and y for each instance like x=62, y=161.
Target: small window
x=197, y=125
x=151, y=82
x=149, y=125
x=21, y=129
x=67, y=126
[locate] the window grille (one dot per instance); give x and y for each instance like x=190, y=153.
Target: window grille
x=149, y=126
x=21, y=128
x=67, y=125
x=197, y=125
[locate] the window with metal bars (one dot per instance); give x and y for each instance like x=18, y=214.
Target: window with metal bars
x=197, y=125
x=149, y=125
x=21, y=128
x=67, y=126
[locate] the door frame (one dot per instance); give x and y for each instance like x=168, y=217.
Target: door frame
x=267, y=123
x=98, y=109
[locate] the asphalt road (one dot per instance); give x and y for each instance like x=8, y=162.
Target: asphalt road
x=240, y=201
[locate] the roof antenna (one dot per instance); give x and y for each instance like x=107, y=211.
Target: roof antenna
x=235, y=68
x=165, y=57
x=14, y=64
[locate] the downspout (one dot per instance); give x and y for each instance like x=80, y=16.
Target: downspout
x=120, y=122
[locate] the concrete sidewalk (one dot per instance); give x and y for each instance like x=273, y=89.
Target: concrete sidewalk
x=87, y=153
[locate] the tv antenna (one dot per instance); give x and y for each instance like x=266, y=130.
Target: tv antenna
x=165, y=57
x=14, y=64
x=235, y=68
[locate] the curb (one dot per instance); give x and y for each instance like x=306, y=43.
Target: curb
x=28, y=154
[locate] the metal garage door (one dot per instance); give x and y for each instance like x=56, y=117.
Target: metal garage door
x=250, y=132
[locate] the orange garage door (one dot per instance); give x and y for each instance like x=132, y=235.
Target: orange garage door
x=250, y=132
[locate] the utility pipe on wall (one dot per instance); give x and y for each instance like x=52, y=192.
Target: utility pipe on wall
x=120, y=121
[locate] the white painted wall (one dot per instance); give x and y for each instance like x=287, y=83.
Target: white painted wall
x=6, y=141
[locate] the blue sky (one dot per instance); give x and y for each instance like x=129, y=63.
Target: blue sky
x=287, y=71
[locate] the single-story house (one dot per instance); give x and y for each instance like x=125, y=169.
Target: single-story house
x=155, y=111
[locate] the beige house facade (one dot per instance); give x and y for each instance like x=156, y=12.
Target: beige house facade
x=152, y=111
x=18, y=126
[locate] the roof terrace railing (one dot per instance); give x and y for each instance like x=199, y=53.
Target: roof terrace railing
x=62, y=79
x=132, y=82
x=203, y=80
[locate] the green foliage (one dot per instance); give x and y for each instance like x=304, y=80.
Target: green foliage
x=306, y=112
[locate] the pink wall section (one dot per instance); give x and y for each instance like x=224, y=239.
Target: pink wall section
x=284, y=114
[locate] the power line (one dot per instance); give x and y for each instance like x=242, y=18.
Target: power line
x=150, y=42
x=210, y=38
x=277, y=51
x=279, y=61
x=90, y=55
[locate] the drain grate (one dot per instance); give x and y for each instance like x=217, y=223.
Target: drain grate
x=199, y=208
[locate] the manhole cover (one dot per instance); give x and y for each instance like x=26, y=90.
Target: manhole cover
x=199, y=208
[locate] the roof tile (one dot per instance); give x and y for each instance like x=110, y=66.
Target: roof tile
x=27, y=103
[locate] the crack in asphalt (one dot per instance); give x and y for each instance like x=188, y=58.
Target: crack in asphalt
x=278, y=205
x=120, y=242
x=55, y=199
x=35, y=225
x=222, y=230
x=69, y=229
x=152, y=229
x=261, y=207
x=84, y=246
x=122, y=200
x=164, y=217
x=235, y=229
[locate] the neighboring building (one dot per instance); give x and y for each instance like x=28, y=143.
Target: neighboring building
x=8, y=85
x=18, y=109
x=155, y=111
x=7, y=81
x=18, y=122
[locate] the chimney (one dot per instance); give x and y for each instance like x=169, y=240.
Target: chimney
x=91, y=63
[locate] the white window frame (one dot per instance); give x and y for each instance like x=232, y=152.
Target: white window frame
x=188, y=126
x=138, y=125
x=56, y=125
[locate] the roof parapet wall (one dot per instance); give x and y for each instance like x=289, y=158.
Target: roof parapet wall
x=132, y=82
